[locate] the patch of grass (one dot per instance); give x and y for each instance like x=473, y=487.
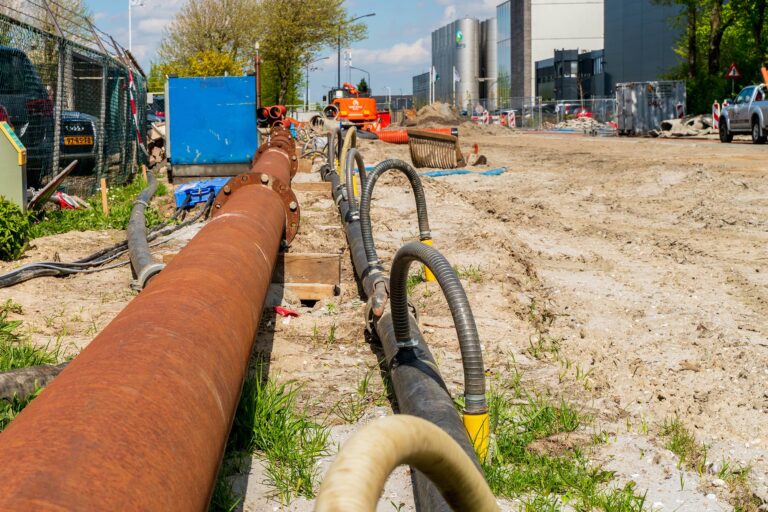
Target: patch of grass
x=680, y=441
x=692, y=455
x=120, y=204
x=352, y=407
x=330, y=339
x=10, y=409
x=16, y=350
x=414, y=279
x=224, y=498
x=546, y=481
x=471, y=273
x=269, y=421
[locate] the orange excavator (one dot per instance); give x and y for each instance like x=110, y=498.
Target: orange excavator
x=349, y=107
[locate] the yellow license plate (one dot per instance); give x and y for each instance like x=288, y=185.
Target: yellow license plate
x=78, y=141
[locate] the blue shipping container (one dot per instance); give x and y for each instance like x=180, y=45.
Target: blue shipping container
x=211, y=120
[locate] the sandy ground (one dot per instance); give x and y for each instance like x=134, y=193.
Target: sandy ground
x=627, y=275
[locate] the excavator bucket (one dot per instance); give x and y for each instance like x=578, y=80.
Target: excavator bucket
x=434, y=150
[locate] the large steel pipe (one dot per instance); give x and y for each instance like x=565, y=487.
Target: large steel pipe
x=139, y=420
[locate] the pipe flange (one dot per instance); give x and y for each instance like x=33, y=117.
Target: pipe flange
x=283, y=144
x=287, y=197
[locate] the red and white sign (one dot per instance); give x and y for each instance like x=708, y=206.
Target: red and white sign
x=733, y=72
x=715, y=115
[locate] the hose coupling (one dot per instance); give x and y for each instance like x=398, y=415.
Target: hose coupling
x=409, y=343
x=475, y=404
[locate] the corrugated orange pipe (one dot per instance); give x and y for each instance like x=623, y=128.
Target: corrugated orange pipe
x=401, y=136
x=139, y=420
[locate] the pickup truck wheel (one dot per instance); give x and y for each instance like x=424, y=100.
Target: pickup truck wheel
x=757, y=133
x=725, y=136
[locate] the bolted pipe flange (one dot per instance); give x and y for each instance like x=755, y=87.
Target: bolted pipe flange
x=288, y=198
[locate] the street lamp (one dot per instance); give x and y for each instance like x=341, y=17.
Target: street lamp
x=131, y=4
x=306, y=94
x=338, y=50
x=369, y=77
x=389, y=96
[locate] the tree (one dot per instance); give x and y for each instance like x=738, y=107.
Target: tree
x=362, y=86
x=290, y=34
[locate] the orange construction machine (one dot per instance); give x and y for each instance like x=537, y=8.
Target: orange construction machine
x=348, y=106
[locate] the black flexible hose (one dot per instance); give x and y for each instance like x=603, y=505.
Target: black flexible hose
x=365, y=204
x=60, y=269
x=354, y=157
x=469, y=341
x=145, y=266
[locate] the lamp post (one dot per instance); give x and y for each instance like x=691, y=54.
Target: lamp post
x=306, y=94
x=338, y=49
x=370, y=89
x=131, y=4
x=389, y=96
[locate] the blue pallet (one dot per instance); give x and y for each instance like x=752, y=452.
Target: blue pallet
x=198, y=191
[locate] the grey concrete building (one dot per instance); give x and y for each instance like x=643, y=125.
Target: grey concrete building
x=571, y=75
x=421, y=90
x=531, y=30
x=640, y=37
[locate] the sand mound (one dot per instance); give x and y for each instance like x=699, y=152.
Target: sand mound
x=437, y=114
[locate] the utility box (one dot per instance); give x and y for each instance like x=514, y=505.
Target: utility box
x=13, y=167
x=210, y=126
x=642, y=106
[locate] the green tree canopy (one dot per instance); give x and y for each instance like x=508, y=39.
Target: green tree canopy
x=290, y=34
x=715, y=33
x=362, y=86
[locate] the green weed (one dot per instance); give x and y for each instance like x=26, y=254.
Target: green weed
x=680, y=441
x=414, y=279
x=10, y=409
x=121, y=200
x=547, y=481
x=471, y=273
x=352, y=407
x=16, y=350
x=269, y=421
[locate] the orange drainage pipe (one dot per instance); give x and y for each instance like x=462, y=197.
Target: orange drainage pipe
x=401, y=136
x=139, y=420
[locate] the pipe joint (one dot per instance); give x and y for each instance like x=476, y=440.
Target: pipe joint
x=147, y=273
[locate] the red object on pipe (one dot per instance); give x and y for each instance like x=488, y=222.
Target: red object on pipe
x=139, y=420
x=401, y=136
x=262, y=113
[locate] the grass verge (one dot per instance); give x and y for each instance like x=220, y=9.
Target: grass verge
x=536, y=460
x=17, y=351
x=270, y=423
x=121, y=199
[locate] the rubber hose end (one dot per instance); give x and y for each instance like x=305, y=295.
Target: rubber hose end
x=147, y=273
x=479, y=430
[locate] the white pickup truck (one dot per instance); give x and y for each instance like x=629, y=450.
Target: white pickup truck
x=748, y=114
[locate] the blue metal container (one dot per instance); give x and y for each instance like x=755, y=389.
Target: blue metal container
x=211, y=120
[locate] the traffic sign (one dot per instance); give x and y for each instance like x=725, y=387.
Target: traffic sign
x=733, y=72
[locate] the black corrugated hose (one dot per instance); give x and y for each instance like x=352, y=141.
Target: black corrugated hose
x=365, y=205
x=469, y=341
x=144, y=265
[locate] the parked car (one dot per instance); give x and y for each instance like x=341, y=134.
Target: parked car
x=79, y=140
x=27, y=107
x=746, y=114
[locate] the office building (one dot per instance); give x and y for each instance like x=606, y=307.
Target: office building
x=571, y=75
x=421, y=90
x=640, y=38
x=531, y=30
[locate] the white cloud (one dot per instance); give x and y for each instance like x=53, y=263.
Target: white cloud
x=151, y=26
x=399, y=55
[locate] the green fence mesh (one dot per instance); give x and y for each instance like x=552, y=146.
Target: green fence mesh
x=65, y=87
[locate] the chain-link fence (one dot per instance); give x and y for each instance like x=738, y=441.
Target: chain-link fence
x=67, y=90
x=594, y=116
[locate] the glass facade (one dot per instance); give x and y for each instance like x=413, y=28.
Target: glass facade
x=504, y=55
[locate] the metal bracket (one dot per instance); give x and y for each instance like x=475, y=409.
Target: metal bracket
x=288, y=198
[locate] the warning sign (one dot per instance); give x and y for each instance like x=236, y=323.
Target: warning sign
x=733, y=72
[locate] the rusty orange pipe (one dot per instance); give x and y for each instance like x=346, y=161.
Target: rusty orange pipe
x=139, y=420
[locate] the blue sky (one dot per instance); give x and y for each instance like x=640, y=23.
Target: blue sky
x=398, y=44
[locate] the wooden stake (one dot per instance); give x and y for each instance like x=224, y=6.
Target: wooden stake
x=104, y=202
x=144, y=172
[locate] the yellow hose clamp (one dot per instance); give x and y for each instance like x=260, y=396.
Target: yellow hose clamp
x=428, y=275
x=479, y=429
